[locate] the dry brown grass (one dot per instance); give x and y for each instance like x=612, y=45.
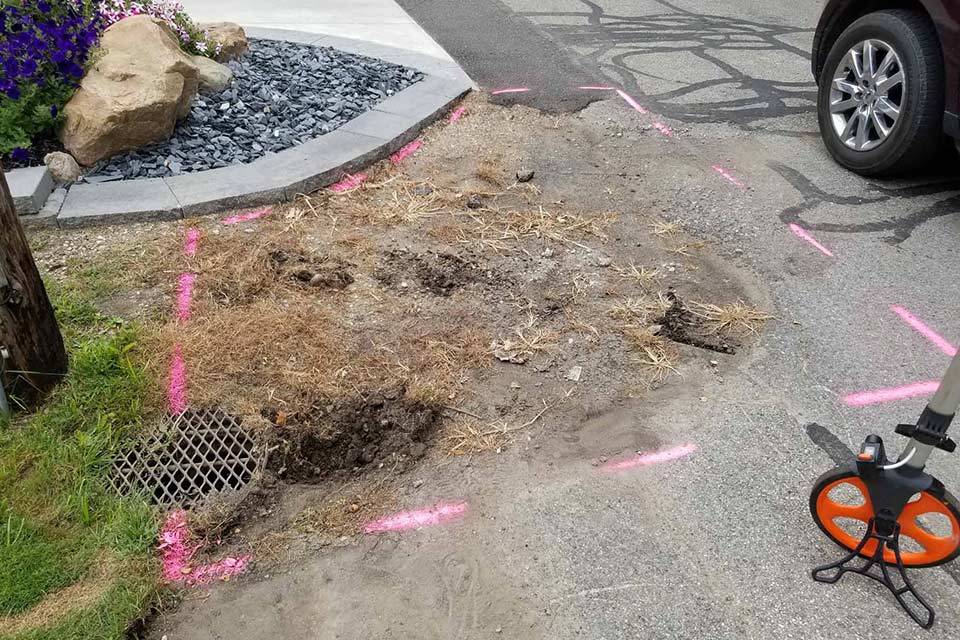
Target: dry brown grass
x=645, y=278
x=736, y=318
x=665, y=228
x=488, y=171
x=474, y=435
x=525, y=341
x=504, y=230
x=643, y=309
x=656, y=355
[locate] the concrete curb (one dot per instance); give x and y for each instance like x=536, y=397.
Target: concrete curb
x=281, y=176
x=30, y=188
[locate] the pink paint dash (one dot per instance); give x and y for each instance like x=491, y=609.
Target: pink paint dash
x=177, y=551
x=510, y=90
x=598, y=88
x=185, y=295
x=729, y=177
x=892, y=394
x=437, y=514
x=802, y=233
x=647, y=459
x=349, y=183
x=405, y=152
x=630, y=101
x=191, y=241
x=924, y=330
x=246, y=217
x=457, y=114
x=177, y=389
x=664, y=129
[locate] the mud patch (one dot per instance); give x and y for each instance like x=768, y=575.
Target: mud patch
x=324, y=274
x=439, y=273
x=345, y=436
x=681, y=325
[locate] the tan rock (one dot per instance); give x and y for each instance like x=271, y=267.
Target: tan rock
x=140, y=86
x=214, y=77
x=230, y=36
x=62, y=166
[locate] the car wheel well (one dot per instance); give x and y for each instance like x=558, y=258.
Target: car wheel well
x=848, y=13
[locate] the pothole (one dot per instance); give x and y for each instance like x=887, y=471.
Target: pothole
x=681, y=325
x=351, y=435
x=325, y=274
x=439, y=273
x=201, y=454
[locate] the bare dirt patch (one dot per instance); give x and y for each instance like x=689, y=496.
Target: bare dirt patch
x=439, y=273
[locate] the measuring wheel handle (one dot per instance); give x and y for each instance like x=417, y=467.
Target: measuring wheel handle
x=886, y=500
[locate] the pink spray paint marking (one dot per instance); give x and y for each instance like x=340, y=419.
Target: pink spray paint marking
x=177, y=550
x=801, y=233
x=407, y=151
x=246, y=217
x=510, y=90
x=664, y=129
x=437, y=514
x=630, y=101
x=349, y=183
x=729, y=177
x=457, y=114
x=924, y=330
x=185, y=295
x=589, y=88
x=190, y=242
x=891, y=394
x=177, y=389
x=647, y=459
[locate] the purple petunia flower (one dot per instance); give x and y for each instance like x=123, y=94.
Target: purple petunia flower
x=20, y=155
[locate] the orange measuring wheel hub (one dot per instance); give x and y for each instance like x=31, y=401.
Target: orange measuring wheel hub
x=936, y=549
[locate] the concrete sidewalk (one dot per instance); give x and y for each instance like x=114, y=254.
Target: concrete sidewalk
x=380, y=21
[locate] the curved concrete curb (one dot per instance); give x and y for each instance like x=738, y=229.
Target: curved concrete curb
x=281, y=176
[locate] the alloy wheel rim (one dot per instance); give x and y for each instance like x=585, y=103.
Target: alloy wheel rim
x=867, y=95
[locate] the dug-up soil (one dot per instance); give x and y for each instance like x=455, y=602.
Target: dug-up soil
x=442, y=312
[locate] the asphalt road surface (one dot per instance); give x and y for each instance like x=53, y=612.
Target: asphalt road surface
x=731, y=80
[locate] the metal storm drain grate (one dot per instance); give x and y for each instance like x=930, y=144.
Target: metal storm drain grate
x=202, y=453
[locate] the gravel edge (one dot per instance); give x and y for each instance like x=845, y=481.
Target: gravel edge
x=282, y=176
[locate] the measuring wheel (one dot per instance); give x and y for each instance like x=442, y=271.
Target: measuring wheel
x=840, y=505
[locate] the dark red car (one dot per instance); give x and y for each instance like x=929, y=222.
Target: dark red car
x=888, y=74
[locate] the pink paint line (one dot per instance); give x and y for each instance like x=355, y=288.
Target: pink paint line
x=457, y=114
x=407, y=151
x=185, y=295
x=664, y=129
x=177, y=391
x=437, y=514
x=588, y=88
x=647, y=459
x=892, y=394
x=924, y=330
x=177, y=551
x=349, y=183
x=246, y=217
x=801, y=233
x=728, y=176
x=630, y=101
x=190, y=242
x=510, y=90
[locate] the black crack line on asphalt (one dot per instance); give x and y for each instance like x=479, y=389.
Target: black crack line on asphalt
x=841, y=454
x=900, y=228
x=681, y=31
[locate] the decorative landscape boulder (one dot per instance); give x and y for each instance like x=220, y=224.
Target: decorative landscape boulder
x=62, y=166
x=230, y=36
x=135, y=93
x=213, y=76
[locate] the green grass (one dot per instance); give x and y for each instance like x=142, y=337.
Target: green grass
x=57, y=517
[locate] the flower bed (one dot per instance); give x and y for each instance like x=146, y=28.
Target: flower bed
x=44, y=48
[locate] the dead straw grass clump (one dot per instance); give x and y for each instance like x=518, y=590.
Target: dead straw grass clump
x=642, y=309
x=730, y=319
x=656, y=355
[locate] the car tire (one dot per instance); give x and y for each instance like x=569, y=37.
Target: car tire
x=917, y=134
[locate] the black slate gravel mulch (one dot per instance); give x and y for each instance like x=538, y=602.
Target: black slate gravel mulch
x=282, y=95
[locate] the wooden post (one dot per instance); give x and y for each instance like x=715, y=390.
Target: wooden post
x=36, y=359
